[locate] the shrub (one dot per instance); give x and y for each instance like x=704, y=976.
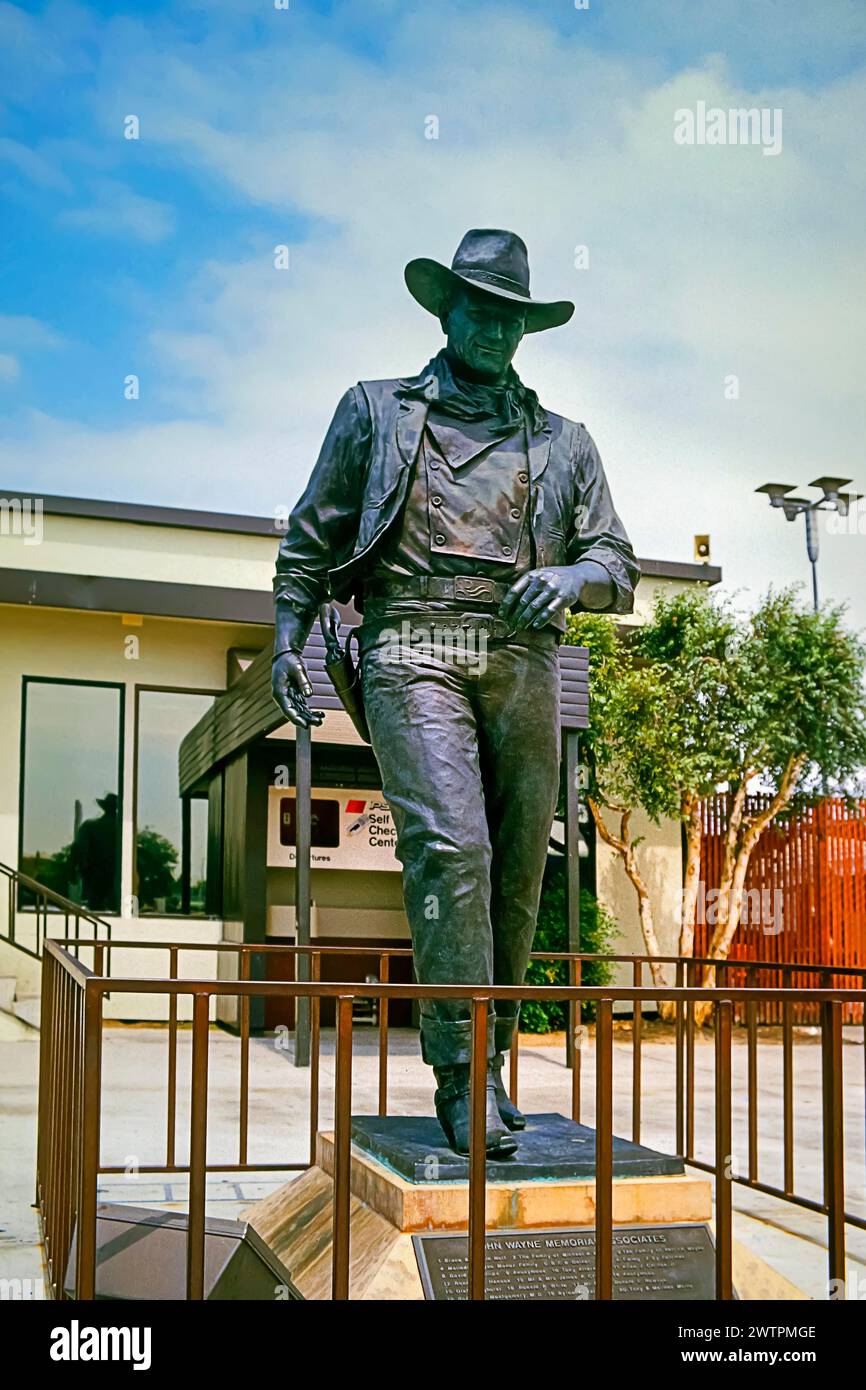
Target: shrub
x=598, y=932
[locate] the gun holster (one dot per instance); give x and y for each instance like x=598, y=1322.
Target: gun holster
x=345, y=676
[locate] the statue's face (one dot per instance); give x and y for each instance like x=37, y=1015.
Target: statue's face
x=483, y=333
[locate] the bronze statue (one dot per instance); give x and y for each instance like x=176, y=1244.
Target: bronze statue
x=465, y=520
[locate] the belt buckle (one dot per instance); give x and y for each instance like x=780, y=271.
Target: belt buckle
x=473, y=587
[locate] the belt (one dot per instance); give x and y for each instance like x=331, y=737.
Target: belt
x=461, y=588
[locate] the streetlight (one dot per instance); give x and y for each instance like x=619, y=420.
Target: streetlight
x=831, y=500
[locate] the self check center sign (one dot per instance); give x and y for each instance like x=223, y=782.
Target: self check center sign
x=350, y=830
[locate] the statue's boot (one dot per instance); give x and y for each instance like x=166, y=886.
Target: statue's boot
x=508, y=1111
x=453, y=1110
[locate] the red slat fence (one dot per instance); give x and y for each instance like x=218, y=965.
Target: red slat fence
x=805, y=896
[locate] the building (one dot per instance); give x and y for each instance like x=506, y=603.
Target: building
x=119, y=625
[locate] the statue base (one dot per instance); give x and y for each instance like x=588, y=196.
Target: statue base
x=550, y=1148
x=389, y=1209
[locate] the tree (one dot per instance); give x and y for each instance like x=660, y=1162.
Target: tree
x=156, y=864
x=698, y=700
x=797, y=721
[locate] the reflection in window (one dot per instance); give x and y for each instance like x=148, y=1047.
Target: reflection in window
x=70, y=815
x=165, y=717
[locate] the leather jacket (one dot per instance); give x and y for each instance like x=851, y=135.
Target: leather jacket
x=360, y=480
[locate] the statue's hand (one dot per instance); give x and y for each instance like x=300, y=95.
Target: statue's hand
x=536, y=597
x=291, y=689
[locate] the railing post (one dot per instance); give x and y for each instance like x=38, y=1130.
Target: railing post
x=49, y=967
x=752, y=1082
x=315, y=1055
x=342, y=1150
x=574, y=1018
x=724, y=1216
x=244, y=1096
x=53, y=1157
x=636, y=1055
x=198, y=1149
x=384, y=976
x=171, y=1100
x=834, y=1139
x=679, y=1061
x=85, y=1267
x=65, y=1194
x=303, y=841
x=571, y=848
x=788, y=1087
x=478, y=1151
x=604, y=1150
x=514, y=1068
x=691, y=980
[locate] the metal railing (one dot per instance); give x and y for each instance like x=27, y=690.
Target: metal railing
x=65, y=915
x=70, y=1094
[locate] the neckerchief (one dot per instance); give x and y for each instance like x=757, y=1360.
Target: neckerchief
x=504, y=407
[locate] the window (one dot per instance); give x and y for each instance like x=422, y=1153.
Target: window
x=170, y=857
x=71, y=787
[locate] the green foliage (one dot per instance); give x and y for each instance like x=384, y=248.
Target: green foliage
x=598, y=932
x=802, y=695
x=637, y=747
x=54, y=871
x=156, y=864
x=699, y=697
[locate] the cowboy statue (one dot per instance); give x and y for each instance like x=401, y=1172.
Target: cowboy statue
x=465, y=521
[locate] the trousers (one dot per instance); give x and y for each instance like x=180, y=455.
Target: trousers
x=468, y=750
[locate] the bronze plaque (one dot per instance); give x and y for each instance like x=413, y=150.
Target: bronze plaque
x=649, y=1262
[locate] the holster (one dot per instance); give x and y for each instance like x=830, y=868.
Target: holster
x=345, y=676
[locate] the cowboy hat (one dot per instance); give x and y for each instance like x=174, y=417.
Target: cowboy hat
x=494, y=263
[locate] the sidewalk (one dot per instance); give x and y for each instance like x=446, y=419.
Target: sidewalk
x=790, y=1238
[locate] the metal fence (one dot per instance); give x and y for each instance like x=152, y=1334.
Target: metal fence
x=65, y=916
x=804, y=896
x=70, y=1092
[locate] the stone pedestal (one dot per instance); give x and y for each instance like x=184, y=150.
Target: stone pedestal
x=406, y=1183
x=533, y=1191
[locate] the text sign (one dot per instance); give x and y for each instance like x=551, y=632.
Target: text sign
x=649, y=1262
x=350, y=830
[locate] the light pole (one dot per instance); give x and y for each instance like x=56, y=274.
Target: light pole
x=831, y=500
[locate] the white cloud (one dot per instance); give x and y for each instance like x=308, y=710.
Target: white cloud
x=117, y=211
x=34, y=166
x=28, y=334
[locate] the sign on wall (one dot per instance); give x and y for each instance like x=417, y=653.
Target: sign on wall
x=350, y=830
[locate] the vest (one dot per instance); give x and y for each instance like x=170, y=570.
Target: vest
x=466, y=508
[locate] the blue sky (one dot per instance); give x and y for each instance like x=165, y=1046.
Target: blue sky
x=306, y=127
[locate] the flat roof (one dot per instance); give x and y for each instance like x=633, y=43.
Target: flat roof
x=191, y=519
x=152, y=598
x=143, y=514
